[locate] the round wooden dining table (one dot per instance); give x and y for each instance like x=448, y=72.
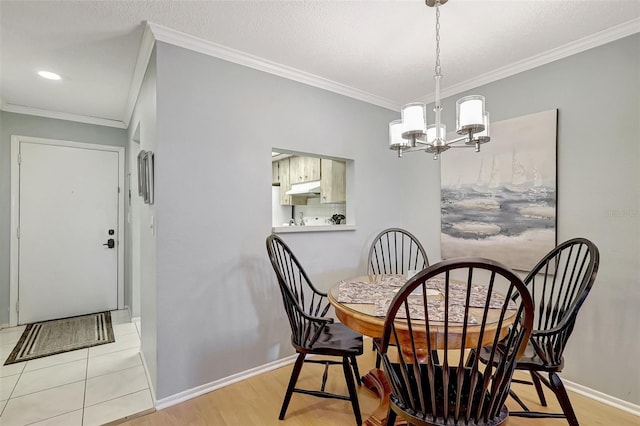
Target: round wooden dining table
x=357, y=310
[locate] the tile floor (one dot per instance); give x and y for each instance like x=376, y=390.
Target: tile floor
x=81, y=388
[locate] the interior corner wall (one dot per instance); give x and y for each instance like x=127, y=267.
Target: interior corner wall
x=30, y=125
x=597, y=94
x=143, y=217
x=219, y=308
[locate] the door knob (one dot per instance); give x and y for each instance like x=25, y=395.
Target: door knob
x=111, y=243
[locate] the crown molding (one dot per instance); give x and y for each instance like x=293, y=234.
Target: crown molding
x=153, y=32
x=206, y=47
x=598, y=39
x=19, y=109
x=142, y=62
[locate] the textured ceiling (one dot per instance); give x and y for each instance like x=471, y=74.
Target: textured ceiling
x=385, y=48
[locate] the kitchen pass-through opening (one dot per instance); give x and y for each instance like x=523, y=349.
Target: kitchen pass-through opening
x=310, y=192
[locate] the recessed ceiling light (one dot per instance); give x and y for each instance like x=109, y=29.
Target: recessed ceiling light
x=49, y=75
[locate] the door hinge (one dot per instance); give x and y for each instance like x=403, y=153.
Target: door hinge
x=19, y=158
x=18, y=232
x=118, y=190
x=18, y=306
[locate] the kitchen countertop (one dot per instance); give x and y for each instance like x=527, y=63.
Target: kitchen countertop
x=310, y=228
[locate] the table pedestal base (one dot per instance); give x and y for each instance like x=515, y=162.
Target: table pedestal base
x=377, y=381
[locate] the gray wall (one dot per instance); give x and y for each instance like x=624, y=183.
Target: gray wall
x=217, y=123
x=219, y=310
x=597, y=93
x=28, y=125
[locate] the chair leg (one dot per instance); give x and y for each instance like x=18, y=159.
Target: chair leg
x=373, y=347
x=471, y=359
x=356, y=372
x=391, y=418
x=292, y=384
x=561, y=393
x=536, y=382
x=518, y=400
x=353, y=394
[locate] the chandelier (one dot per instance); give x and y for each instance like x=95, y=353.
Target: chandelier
x=411, y=132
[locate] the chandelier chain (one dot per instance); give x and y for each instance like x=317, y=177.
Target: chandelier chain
x=437, y=68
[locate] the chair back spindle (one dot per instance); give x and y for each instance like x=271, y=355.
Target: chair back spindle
x=395, y=251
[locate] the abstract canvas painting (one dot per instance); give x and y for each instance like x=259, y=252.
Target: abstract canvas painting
x=501, y=203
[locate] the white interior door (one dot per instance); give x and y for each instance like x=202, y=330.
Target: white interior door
x=68, y=210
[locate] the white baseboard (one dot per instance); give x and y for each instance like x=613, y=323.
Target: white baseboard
x=612, y=401
x=146, y=371
x=217, y=384
x=3, y=326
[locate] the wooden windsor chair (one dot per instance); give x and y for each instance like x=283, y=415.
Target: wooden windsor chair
x=395, y=251
x=559, y=284
x=312, y=332
x=455, y=387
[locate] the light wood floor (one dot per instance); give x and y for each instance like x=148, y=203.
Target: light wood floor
x=257, y=401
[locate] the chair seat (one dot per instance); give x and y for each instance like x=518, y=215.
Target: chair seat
x=452, y=396
x=529, y=361
x=337, y=340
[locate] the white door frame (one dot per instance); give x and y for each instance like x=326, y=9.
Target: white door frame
x=15, y=213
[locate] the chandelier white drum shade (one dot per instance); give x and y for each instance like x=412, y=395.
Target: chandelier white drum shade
x=470, y=113
x=413, y=133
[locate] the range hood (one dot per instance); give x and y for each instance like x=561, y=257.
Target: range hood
x=307, y=188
